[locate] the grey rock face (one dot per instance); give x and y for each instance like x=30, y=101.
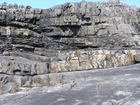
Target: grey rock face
x=21, y=66
x=72, y=25
x=70, y=37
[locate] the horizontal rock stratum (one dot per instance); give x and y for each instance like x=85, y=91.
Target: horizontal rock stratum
x=111, y=86
x=36, y=44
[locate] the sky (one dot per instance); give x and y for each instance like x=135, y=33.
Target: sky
x=44, y=4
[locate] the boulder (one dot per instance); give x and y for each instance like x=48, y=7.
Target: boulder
x=137, y=58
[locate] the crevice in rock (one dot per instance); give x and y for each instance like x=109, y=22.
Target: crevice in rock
x=100, y=22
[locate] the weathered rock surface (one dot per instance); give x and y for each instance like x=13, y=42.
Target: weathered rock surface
x=36, y=44
x=116, y=86
x=21, y=71
x=107, y=25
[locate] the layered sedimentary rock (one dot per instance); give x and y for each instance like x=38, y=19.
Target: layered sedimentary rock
x=75, y=36
x=106, y=25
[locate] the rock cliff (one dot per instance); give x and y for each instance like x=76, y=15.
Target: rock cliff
x=70, y=37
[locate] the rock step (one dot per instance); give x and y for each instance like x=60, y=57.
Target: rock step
x=16, y=71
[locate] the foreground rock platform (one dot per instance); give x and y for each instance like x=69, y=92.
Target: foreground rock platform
x=114, y=86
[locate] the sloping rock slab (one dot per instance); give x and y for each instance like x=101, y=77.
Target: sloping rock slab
x=113, y=86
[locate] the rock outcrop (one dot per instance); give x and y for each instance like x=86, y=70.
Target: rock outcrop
x=75, y=36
